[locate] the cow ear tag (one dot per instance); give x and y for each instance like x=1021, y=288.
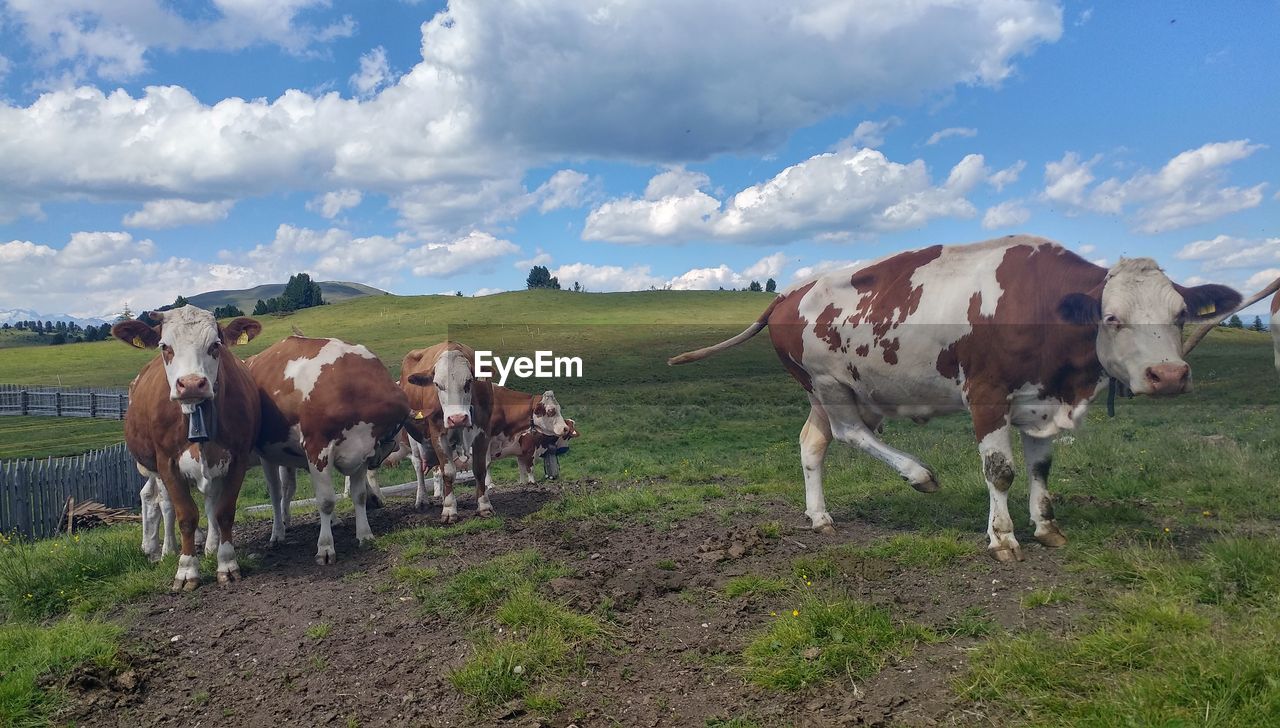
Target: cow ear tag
x=244, y=338
x=419, y=415
x=1206, y=309
x=137, y=342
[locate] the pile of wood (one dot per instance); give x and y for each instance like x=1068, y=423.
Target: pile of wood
x=89, y=514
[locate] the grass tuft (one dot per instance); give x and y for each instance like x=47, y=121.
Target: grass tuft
x=28, y=652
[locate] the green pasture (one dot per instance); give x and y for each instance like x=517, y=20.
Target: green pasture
x=1171, y=507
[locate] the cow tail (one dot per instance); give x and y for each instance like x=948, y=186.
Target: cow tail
x=755, y=328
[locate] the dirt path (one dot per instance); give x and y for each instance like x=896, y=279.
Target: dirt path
x=244, y=657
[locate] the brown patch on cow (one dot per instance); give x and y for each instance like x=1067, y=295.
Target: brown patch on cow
x=825, y=331
x=1024, y=341
x=786, y=330
x=890, y=347
x=862, y=350
x=888, y=296
x=1275, y=303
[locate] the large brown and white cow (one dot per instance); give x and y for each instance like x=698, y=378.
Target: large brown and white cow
x=523, y=426
x=1019, y=331
x=195, y=375
x=452, y=408
x=330, y=407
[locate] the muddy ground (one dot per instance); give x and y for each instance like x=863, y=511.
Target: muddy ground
x=242, y=656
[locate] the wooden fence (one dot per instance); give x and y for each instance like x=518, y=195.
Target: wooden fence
x=34, y=492
x=22, y=399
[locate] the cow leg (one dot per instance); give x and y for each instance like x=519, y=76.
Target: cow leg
x=151, y=517
x=166, y=516
x=526, y=469
x=275, y=492
x=847, y=425
x=1038, y=452
x=997, y=468
x=188, y=516
x=419, y=467
x=322, y=480
x=373, y=491
x=212, y=488
x=288, y=489
x=224, y=514
x=480, y=468
x=359, y=499
x=815, y=437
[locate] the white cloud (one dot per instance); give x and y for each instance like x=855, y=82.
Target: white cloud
x=604, y=278
x=175, y=213
x=1087, y=249
x=1010, y=213
x=954, y=131
x=501, y=89
x=487, y=292
x=566, y=188
x=374, y=73
x=1187, y=190
x=475, y=253
x=1261, y=279
x=1226, y=252
x=330, y=204
x=1084, y=16
x=837, y=192
x=870, y=133
x=77, y=38
x=96, y=272
x=767, y=267
x=540, y=257
x=809, y=271
x=1006, y=176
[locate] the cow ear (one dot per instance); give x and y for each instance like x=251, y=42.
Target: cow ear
x=420, y=379
x=1209, y=300
x=137, y=334
x=1080, y=308
x=241, y=331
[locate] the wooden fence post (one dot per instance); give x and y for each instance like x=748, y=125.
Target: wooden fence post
x=24, y=403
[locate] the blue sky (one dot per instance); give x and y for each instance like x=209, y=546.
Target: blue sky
x=151, y=148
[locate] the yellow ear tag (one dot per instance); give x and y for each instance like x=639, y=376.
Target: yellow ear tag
x=1208, y=308
x=137, y=342
x=244, y=338
x=419, y=415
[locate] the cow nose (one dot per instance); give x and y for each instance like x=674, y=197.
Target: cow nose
x=457, y=420
x=193, y=385
x=1168, y=378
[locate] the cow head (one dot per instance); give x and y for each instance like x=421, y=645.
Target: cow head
x=191, y=343
x=453, y=378
x=547, y=417
x=1139, y=313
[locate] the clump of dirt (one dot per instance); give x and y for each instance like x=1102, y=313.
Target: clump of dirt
x=255, y=653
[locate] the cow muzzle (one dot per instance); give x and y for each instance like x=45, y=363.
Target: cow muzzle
x=192, y=388
x=455, y=417
x=1168, y=379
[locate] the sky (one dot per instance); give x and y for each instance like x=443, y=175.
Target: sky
x=151, y=148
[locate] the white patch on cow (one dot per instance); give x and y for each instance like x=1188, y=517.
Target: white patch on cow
x=188, y=568
x=1043, y=417
x=449, y=509
x=190, y=467
x=227, y=559
x=305, y=372
x=353, y=447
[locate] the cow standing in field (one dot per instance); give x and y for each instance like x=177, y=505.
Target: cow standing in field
x=195, y=376
x=330, y=407
x=1019, y=331
x=523, y=426
x=452, y=408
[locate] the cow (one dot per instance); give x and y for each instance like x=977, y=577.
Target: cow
x=330, y=407
x=1019, y=331
x=523, y=426
x=196, y=390
x=452, y=408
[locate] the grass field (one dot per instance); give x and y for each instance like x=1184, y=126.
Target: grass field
x=1170, y=509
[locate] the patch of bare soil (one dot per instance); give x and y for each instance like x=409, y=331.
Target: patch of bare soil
x=252, y=654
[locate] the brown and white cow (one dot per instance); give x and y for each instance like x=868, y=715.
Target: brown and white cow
x=330, y=407
x=523, y=426
x=452, y=408
x=1019, y=331
x=195, y=375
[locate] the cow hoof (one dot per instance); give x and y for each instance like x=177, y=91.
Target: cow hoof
x=1051, y=537
x=420, y=506
x=226, y=577
x=365, y=541
x=188, y=584
x=372, y=502
x=486, y=513
x=1006, y=555
x=324, y=557
x=825, y=528
x=448, y=518
x=155, y=557
x=928, y=485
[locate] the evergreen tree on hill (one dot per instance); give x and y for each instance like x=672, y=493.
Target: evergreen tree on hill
x=540, y=277
x=1234, y=322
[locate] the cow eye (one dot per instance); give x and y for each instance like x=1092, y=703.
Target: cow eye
x=1112, y=320
x=213, y=348
x=164, y=347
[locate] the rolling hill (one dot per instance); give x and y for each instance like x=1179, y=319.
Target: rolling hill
x=334, y=291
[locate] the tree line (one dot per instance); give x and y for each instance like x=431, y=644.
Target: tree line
x=540, y=277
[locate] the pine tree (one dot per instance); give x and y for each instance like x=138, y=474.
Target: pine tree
x=755, y=287
x=770, y=286
x=1234, y=322
x=1257, y=324
x=540, y=277
x=126, y=314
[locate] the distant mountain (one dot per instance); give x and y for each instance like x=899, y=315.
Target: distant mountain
x=14, y=315
x=246, y=299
